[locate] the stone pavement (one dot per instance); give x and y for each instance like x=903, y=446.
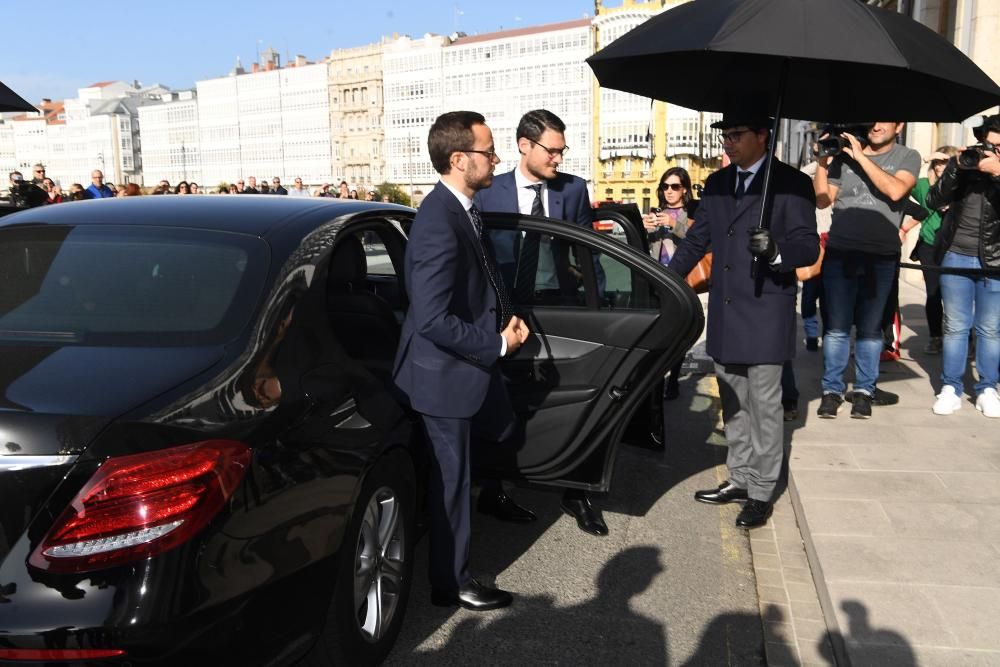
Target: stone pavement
x=897, y=521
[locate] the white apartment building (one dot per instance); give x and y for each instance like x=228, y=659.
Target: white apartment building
x=170, y=140
x=504, y=74
x=413, y=84
x=357, y=133
x=269, y=122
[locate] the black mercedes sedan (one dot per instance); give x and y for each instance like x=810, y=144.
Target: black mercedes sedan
x=202, y=459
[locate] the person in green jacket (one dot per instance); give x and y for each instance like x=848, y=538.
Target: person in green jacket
x=924, y=250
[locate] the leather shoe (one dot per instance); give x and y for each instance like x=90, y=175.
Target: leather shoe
x=587, y=518
x=472, y=596
x=503, y=507
x=726, y=493
x=755, y=513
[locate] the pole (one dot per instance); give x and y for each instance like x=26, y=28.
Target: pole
x=409, y=163
x=766, y=196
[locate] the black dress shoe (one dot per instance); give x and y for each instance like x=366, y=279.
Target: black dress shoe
x=503, y=507
x=726, y=493
x=587, y=518
x=791, y=411
x=755, y=513
x=473, y=596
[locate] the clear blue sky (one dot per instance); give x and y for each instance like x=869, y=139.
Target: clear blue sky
x=54, y=49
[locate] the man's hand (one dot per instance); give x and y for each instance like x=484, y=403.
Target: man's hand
x=990, y=164
x=515, y=333
x=762, y=245
x=821, y=160
x=853, y=148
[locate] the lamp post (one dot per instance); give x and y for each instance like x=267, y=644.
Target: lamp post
x=409, y=161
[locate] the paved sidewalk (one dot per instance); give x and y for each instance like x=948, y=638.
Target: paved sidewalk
x=900, y=519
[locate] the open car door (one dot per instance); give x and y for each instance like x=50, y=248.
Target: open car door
x=606, y=323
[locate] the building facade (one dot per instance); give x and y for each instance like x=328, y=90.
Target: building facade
x=357, y=131
x=170, y=139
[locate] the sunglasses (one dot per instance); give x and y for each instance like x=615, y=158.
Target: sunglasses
x=731, y=137
x=671, y=186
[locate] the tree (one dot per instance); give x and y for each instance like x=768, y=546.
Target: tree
x=395, y=193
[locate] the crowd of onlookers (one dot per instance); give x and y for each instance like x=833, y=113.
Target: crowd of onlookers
x=41, y=189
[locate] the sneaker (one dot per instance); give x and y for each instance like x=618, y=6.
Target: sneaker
x=862, y=406
x=989, y=403
x=829, y=406
x=880, y=398
x=812, y=344
x=947, y=401
x=934, y=345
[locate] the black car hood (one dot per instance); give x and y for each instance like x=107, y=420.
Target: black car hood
x=83, y=381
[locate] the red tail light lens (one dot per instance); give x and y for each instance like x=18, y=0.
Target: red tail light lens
x=39, y=654
x=141, y=505
x=604, y=225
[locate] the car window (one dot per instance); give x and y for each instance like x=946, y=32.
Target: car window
x=376, y=254
x=125, y=285
x=548, y=271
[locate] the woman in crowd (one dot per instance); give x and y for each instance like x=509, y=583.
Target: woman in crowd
x=77, y=193
x=132, y=190
x=55, y=192
x=193, y=188
x=182, y=188
x=923, y=252
x=666, y=225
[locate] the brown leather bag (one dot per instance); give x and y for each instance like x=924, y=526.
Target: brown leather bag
x=700, y=278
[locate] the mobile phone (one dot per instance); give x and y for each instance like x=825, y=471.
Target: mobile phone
x=655, y=210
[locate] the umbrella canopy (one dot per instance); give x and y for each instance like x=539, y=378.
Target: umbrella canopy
x=11, y=101
x=844, y=61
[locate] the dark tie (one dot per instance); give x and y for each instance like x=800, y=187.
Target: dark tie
x=741, y=184
x=527, y=264
x=505, y=310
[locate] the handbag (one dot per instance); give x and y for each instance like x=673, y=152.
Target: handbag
x=700, y=278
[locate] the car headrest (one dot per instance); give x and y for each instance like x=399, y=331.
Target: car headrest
x=348, y=267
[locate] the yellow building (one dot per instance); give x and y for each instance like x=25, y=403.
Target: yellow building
x=637, y=138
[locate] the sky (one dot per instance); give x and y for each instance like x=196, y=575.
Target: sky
x=72, y=45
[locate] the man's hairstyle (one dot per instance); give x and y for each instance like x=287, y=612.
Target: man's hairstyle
x=990, y=124
x=534, y=123
x=451, y=133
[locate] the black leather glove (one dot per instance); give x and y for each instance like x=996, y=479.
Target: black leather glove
x=762, y=244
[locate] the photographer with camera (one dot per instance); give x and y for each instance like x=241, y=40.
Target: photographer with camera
x=969, y=238
x=24, y=194
x=868, y=184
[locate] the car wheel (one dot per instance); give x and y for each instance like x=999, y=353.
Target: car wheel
x=375, y=571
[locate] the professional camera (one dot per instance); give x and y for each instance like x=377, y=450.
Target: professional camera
x=27, y=195
x=834, y=144
x=971, y=156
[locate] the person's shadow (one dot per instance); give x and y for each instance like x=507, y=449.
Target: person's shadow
x=605, y=630
x=865, y=645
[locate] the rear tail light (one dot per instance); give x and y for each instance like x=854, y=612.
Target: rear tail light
x=604, y=226
x=141, y=505
x=40, y=654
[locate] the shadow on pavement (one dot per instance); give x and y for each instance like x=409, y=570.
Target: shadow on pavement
x=866, y=645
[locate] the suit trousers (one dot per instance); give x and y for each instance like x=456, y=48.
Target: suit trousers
x=448, y=499
x=753, y=416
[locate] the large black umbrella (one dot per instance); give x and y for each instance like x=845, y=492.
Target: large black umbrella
x=828, y=60
x=11, y=101
x=824, y=60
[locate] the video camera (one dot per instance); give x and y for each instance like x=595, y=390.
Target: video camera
x=970, y=158
x=834, y=144
x=24, y=194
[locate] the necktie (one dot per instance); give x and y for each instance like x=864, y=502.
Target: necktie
x=505, y=310
x=741, y=184
x=527, y=264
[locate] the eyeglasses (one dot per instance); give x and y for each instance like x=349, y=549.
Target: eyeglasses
x=553, y=152
x=671, y=186
x=731, y=137
x=490, y=154
x=39, y=171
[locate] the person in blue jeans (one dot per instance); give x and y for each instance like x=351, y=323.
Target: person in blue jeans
x=970, y=239
x=868, y=185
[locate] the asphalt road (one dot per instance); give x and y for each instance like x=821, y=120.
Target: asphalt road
x=672, y=584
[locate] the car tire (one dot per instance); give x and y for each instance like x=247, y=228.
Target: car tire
x=374, y=574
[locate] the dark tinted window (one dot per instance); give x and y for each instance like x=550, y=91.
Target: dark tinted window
x=127, y=285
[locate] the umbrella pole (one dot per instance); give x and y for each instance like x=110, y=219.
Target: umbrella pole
x=766, y=198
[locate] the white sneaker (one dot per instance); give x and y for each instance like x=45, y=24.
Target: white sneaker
x=948, y=401
x=989, y=403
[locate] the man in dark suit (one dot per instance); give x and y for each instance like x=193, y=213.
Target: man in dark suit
x=458, y=325
x=536, y=187
x=751, y=322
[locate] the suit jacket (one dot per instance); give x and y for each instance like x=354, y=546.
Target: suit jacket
x=745, y=328
x=567, y=198
x=449, y=347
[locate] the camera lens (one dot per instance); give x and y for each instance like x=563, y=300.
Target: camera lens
x=969, y=158
x=830, y=146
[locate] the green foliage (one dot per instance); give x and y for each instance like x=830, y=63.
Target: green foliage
x=395, y=193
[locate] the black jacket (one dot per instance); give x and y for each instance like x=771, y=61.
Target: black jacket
x=960, y=190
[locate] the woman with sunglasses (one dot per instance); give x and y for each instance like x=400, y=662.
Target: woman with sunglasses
x=666, y=225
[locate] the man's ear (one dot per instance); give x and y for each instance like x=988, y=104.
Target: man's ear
x=523, y=145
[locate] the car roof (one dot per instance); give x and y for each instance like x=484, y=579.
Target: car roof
x=248, y=214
